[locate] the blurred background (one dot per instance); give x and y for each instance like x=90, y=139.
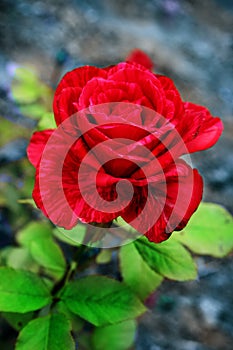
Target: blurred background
x=191, y=41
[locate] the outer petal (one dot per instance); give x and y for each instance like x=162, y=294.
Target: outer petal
x=77, y=79
x=57, y=187
x=174, y=105
x=198, y=128
x=37, y=145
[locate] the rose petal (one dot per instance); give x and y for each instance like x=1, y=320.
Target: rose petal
x=77, y=78
x=37, y=145
x=170, y=210
x=198, y=128
x=138, y=56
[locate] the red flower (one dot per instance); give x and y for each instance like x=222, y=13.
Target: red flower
x=116, y=151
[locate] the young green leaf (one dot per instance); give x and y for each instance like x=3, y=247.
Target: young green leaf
x=51, y=332
x=169, y=259
x=22, y=291
x=209, y=231
x=119, y=336
x=48, y=254
x=101, y=300
x=136, y=272
x=32, y=232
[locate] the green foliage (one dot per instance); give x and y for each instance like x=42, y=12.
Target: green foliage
x=169, y=259
x=51, y=332
x=48, y=254
x=18, y=320
x=33, y=96
x=119, y=336
x=104, y=256
x=209, y=232
x=20, y=258
x=47, y=122
x=22, y=291
x=33, y=231
x=136, y=272
x=11, y=131
x=73, y=237
x=76, y=321
x=101, y=300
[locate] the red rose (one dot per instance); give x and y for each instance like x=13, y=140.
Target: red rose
x=116, y=152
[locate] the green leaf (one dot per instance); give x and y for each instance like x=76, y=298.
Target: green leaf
x=104, y=257
x=119, y=221
x=74, y=236
x=32, y=232
x=17, y=320
x=22, y=291
x=47, y=122
x=209, y=232
x=27, y=201
x=11, y=131
x=76, y=321
x=101, y=300
x=138, y=275
x=26, y=87
x=51, y=332
x=20, y=258
x=119, y=336
x=58, y=233
x=49, y=255
x=33, y=111
x=169, y=259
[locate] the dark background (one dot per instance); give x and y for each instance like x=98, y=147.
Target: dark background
x=190, y=41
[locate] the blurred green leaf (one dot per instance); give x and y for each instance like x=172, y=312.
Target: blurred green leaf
x=49, y=255
x=136, y=273
x=33, y=111
x=4, y=252
x=33, y=96
x=119, y=336
x=32, y=232
x=170, y=259
x=51, y=332
x=26, y=86
x=11, y=131
x=20, y=258
x=73, y=237
x=101, y=300
x=27, y=201
x=47, y=121
x=10, y=197
x=104, y=256
x=22, y=291
x=17, y=320
x=209, y=231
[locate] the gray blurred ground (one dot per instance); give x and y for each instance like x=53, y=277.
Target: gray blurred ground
x=190, y=41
